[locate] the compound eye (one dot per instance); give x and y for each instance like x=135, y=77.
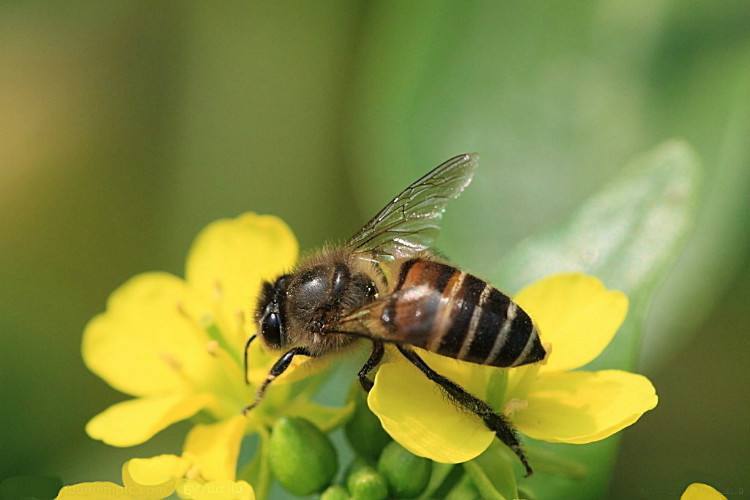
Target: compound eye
x=271, y=329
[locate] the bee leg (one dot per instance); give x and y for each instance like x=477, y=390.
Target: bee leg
x=374, y=360
x=277, y=369
x=494, y=421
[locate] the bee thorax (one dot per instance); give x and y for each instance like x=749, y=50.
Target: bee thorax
x=321, y=291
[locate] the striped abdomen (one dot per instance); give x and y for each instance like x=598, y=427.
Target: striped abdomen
x=442, y=309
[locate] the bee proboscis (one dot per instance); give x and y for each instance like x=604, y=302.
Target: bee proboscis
x=385, y=284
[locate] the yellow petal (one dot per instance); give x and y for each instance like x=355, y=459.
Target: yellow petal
x=214, y=448
x=700, y=491
x=137, y=420
x=417, y=414
x=154, y=477
x=576, y=316
x=93, y=491
x=260, y=360
x=216, y=490
x=582, y=407
x=146, y=343
x=229, y=259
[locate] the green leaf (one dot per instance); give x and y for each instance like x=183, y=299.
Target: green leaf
x=717, y=250
x=627, y=235
x=440, y=78
x=492, y=473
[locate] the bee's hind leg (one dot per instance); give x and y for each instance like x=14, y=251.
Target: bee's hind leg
x=494, y=421
x=376, y=356
x=277, y=369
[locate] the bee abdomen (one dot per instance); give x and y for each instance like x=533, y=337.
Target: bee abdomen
x=458, y=315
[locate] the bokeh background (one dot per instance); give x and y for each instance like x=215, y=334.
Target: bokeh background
x=125, y=127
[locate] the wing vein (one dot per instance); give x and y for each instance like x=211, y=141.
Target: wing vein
x=410, y=222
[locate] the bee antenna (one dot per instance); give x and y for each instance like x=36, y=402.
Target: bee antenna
x=247, y=348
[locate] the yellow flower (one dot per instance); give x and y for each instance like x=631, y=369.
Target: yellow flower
x=700, y=491
x=577, y=317
x=176, y=346
x=160, y=477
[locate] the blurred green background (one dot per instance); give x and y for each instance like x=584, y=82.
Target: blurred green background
x=125, y=127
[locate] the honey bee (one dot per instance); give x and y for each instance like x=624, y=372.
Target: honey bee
x=386, y=285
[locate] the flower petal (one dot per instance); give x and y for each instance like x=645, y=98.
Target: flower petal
x=229, y=259
x=582, y=407
x=146, y=343
x=260, y=360
x=137, y=420
x=576, y=316
x=415, y=412
x=701, y=491
x=154, y=477
x=214, y=448
x=155, y=470
x=216, y=490
x=93, y=491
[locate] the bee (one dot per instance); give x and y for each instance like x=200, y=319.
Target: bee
x=386, y=285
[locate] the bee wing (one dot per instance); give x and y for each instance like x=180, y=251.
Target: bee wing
x=410, y=223
x=378, y=319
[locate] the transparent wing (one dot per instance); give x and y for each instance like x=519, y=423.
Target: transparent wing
x=410, y=223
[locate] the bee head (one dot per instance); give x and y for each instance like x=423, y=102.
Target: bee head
x=270, y=312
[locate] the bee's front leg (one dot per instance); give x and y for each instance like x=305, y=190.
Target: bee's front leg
x=376, y=356
x=277, y=369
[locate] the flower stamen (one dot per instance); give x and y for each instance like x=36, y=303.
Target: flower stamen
x=175, y=364
x=171, y=361
x=215, y=333
x=241, y=322
x=198, y=325
x=181, y=309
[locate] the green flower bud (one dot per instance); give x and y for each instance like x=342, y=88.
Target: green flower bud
x=302, y=458
x=407, y=474
x=365, y=483
x=363, y=430
x=335, y=492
